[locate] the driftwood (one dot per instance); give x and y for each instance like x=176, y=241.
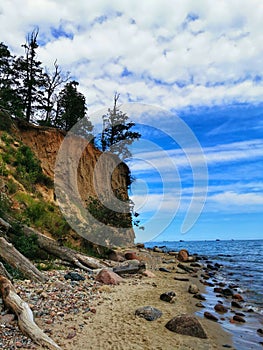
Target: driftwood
x=129, y=268
x=54, y=248
x=4, y=272
x=25, y=316
x=14, y=258
x=187, y=268
x=5, y=225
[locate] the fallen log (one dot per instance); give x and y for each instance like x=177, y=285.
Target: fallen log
x=54, y=248
x=25, y=316
x=129, y=268
x=14, y=258
x=4, y=272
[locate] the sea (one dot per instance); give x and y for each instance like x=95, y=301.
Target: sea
x=242, y=265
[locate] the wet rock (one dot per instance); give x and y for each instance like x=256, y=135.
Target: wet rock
x=74, y=276
x=238, y=297
x=187, y=325
x=218, y=290
x=227, y=346
x=238, y=318
x=108, y=277
x=236, y=304
x=149, y=313
x=209, y=284
x=193, y=289
x=220, y=308
x=227, y=292
x=169, y=297
x=195, y=264
x=199, y=296
x=260, y=331
x=183, y=255
x=210, y=316
x=199, y=305
x=240, y=314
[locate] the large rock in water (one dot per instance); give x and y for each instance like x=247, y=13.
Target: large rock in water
x=149, y=313
x=108, y=277
x=187, y=325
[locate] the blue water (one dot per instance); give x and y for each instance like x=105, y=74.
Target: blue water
x=242, y=265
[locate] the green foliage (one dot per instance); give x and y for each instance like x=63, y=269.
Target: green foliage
x=5, y=120
x=100, y=210
x=116, y=134
x=4, y=204
x=3, y=168
x=71, y=106
x=42, y=215
x=12, y=187
x=28, y=169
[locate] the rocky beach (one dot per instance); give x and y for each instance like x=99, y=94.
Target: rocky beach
x=151, y=309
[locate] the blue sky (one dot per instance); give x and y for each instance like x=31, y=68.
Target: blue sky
x=200, y=61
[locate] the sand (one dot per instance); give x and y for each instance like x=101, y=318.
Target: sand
x=115, y=326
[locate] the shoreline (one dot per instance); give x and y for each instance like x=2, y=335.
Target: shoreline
x=110, y=322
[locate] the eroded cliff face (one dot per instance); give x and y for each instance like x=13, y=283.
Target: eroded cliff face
x=96, y=174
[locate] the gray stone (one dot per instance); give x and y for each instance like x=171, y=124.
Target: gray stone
x=149, y=313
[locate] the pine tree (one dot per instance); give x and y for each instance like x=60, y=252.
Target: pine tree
x=71, y=106
x=9, y=98
x=29, y=77
x=116, y=134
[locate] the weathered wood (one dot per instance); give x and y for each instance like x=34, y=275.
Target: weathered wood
x=4, y=224
x=129, y=268
x=54, y=248
x=4, y=272
x=14, y=258
x=25, y=315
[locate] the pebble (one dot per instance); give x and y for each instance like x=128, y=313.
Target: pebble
x=51, y=304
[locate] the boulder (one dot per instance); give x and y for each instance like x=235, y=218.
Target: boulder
x=157, y=250
x=131, y=256
x=74, y=276
x=210, y=316
x=108, y=277
x=238, y=297
x=169, y=297
x=114, y=256
x=199, y=296
x=187, y=325
x=236, y=304
x=149, y=313
x=220, y=308
x=193, y=289
x=238, y=318
x=183, y=255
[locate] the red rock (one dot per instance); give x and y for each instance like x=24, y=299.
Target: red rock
x=236, y=304
x=131, y=256
x=183, y=255
x=149, y=274
x=93, y=310
x=238, y=297
x=220, y=308
x=19, y=344
x=186, y=325
x=108, y=277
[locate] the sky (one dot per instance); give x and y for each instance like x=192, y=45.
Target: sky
x=189, y=74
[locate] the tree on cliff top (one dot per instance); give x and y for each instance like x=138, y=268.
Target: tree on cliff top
x=116, y=134
x=71, y=106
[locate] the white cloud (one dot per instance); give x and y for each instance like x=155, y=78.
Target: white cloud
x=214, y=49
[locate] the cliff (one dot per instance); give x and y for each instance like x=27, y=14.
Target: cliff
x=96, y=176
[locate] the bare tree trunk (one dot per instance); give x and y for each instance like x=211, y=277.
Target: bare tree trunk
x=14, y=258
x=3, y=272
x=25, y=316
x=51, y=246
